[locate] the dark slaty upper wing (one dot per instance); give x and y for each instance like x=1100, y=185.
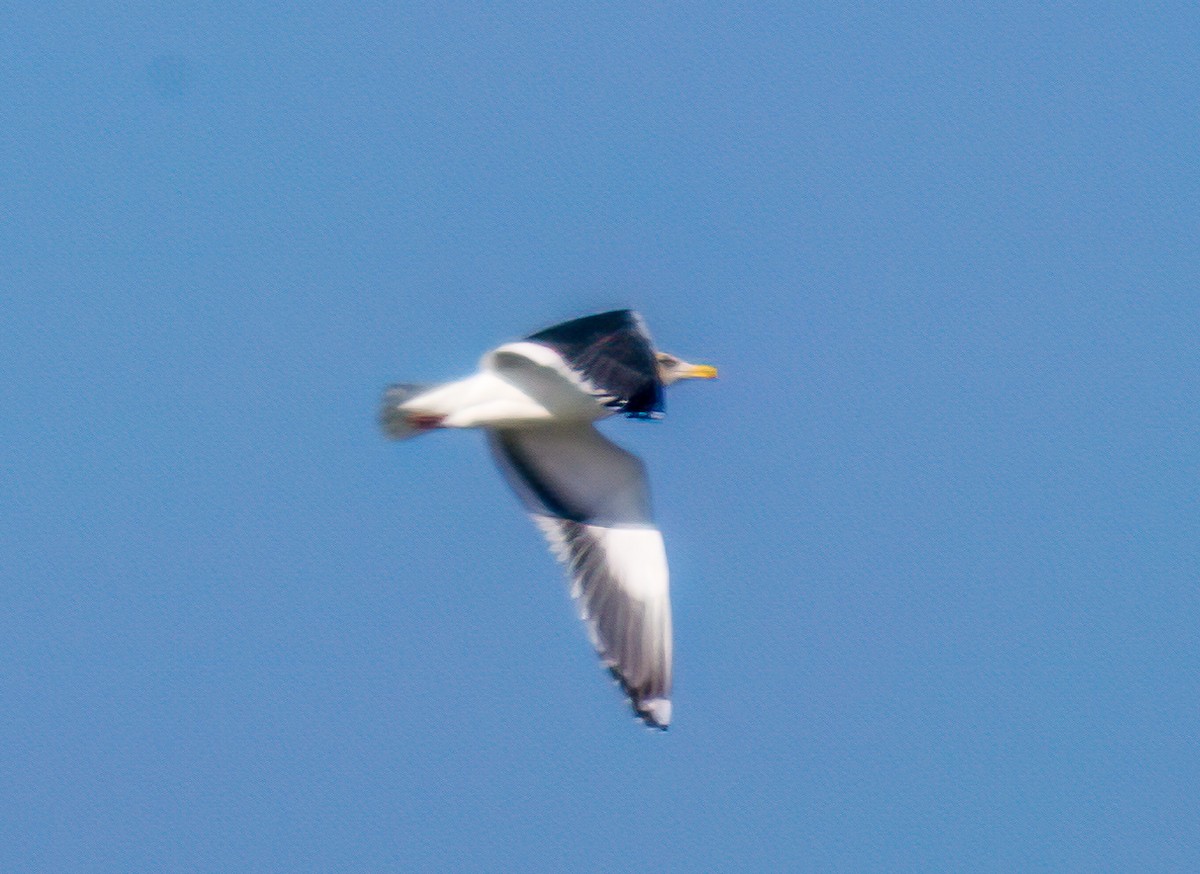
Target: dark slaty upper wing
x=614, y=353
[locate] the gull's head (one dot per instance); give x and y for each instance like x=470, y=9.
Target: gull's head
x=672, y=369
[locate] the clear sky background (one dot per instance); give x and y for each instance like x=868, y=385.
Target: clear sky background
x=934, y=534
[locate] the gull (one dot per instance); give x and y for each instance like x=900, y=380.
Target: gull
x=538, y=399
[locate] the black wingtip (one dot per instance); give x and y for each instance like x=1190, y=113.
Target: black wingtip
x=647, y=715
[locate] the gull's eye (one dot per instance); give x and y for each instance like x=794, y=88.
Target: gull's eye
x=667, y=360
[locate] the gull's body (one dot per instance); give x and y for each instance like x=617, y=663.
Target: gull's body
x=537, y=399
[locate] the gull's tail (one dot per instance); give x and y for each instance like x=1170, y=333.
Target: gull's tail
x=397, y=423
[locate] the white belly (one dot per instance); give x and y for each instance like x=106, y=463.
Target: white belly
x=487, y=401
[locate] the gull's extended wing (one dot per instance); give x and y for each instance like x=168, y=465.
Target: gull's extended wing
x=590, y=498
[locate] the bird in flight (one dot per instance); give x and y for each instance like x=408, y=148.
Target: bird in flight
x=537, y=399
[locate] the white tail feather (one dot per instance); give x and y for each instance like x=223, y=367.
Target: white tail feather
x=396, y=422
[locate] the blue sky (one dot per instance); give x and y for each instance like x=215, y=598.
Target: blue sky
x=934, y=534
